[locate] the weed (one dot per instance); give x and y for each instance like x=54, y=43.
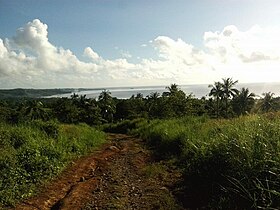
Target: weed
x=232, y=164
x=32, y=153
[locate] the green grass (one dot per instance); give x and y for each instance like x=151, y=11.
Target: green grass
x=31, y=154
x=124, y=126
x=228, y=164
x=155, y=170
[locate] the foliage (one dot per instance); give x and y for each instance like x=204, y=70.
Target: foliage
x=243, y=101
x=124, y=126
x=223, y=92
x=77, y=109
x=51, y=128
x=267, y=102
x=234, y=161
x=35, y=152
x=217, y=92
x=228, y=164
x=31, y=93
x=107, y=106
x=224, y=101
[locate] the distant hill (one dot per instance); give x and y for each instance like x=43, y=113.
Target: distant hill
x=32, y=93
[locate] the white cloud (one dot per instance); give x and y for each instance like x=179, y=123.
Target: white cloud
x=178, y=51
x=125, y=54
x=88, y=52
x=254, y=45
x=34, y=35
x=30, y=60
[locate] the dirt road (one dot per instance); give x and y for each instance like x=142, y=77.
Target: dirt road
x=121, y=175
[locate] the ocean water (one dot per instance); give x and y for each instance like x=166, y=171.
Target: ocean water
x=197, y=90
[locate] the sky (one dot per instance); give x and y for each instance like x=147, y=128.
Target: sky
x=121, y=43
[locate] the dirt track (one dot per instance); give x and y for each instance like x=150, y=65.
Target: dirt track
x=111, y=178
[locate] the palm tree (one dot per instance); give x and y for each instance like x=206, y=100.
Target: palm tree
x=139, y=96
x=217, y=93
x=228, y=91
x=83, y=101
x=105, y=95
x=172, y=90
x=267, y=103
x=153, y=95
x=152, y=100
x=243, y=101
x=107, y=105
x=34, y=110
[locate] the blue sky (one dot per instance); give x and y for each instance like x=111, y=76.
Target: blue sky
x=139, y=33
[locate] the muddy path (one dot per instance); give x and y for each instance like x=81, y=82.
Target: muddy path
x=121, y=175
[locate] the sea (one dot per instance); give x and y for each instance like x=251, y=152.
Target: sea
x=201, y=90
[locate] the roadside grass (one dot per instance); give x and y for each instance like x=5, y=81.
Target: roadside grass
x=34, y=152
x=227, y=164
x=155, y=170
x=125, y=126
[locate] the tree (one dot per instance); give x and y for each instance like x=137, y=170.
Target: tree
x=243, y=101
x=6, y=112
x=89, y=112
x=34, y=110
x=172, y=89
x=153, y=103
x=217, y=93
x=175, y=101
x=228, y=91
x=267, y=102
x=107, y=105
x=153, y=96
x=66, y=110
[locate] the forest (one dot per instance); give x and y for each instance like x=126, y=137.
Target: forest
x=227, y=145
x=224, y=101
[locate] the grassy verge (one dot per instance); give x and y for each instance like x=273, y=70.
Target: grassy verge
x=125, y=126
x=32, y=153
x=227, y=164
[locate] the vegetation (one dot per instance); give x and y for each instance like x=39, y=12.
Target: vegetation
x=227, y=164
x=35, y=93
x=34, y=152
x=224, y=101
x=227, y=144
x=243, y=102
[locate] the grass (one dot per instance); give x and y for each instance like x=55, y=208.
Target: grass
x=32, y=153
x=123, y=127
x=227, y=164
x=155, y=170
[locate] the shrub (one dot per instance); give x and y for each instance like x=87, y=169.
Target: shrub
x=49, y=127
x=227, y=164
x=32, y=153
x=124, y=126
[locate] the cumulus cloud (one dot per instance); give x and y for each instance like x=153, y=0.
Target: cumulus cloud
x=88, y=52
x=34, y=35
x=29, y=60
x=125, y=54
x=254, y=45
x=178, y=51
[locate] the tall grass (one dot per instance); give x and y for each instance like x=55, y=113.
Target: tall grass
x=32, y=153
x=227, y=164
x=125, y=126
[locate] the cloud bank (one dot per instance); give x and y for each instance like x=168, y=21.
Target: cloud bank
x=29, y=60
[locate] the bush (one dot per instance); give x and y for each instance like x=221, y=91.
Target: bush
x=124, y=126
x=227, y=164
x=49, y=127
x=32, y=153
